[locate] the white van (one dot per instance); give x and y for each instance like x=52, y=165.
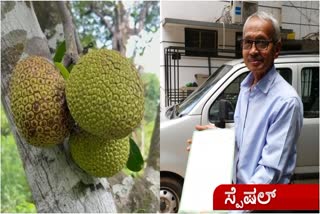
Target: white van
x=214, y=103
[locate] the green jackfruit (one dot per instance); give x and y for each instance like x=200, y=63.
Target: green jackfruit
x=37, y=100
x=97, y=156
x=105, y=94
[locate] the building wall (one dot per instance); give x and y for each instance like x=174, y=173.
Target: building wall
x=207, y=11
x=301, y=17
x=174, y=36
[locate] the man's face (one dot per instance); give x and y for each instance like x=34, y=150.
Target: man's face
x=259, y=61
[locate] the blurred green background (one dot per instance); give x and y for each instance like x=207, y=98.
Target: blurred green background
x=15, y=192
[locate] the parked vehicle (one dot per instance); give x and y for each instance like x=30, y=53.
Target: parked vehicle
x=214, y=103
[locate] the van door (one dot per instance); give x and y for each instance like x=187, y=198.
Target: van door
x=226, y=96
x=308, y=144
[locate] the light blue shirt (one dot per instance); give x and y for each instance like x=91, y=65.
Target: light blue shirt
x=268, y=119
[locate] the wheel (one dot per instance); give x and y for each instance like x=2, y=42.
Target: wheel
x=170, y=194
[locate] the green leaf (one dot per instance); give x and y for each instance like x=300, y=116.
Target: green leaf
x=60, y=52
x=64, y=72
x=135, y=161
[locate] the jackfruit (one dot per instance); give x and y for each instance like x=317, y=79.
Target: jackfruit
x=97, y=156
x=37, y=100
x=105, y=94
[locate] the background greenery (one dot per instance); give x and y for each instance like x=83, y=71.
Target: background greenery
x=15, y=192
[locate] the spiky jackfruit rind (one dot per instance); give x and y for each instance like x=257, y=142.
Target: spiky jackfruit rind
x=97, y=156
x=37, y=100
x=105, y=94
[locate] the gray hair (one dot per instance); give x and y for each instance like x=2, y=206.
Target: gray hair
x=276, y=37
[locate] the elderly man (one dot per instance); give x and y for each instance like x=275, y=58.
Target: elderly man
x=269, y=113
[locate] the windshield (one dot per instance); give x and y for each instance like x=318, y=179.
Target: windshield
x=187, y=105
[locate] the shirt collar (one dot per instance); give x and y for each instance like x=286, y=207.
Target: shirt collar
x=264, y=84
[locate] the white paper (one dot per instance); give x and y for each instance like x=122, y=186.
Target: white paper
x=210, y=164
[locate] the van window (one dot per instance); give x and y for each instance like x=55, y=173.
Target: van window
x=230, y=96
x=187, y=105
x=310, y=91
x=286, y=73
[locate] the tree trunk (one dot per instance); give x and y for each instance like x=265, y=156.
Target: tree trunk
x=50, y=22
x=121, y=29
x=56, y=183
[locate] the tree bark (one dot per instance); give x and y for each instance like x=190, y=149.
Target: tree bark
x=121, y=25
x=71, y=55
x=50, y=22
x=56, y=183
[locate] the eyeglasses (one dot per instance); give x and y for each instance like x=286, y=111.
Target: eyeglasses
x=259, y=44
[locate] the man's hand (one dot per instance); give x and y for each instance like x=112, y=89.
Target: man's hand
x=199, y=128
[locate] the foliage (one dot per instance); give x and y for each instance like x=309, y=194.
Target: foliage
x=5, y=128
x=152, y=95
x=89, y=25
x=98, y=21
x=148, y=130
x=135, y=162
x=15, y=192
x=60, y=51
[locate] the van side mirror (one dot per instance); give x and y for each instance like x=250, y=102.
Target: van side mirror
x=223, y=112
